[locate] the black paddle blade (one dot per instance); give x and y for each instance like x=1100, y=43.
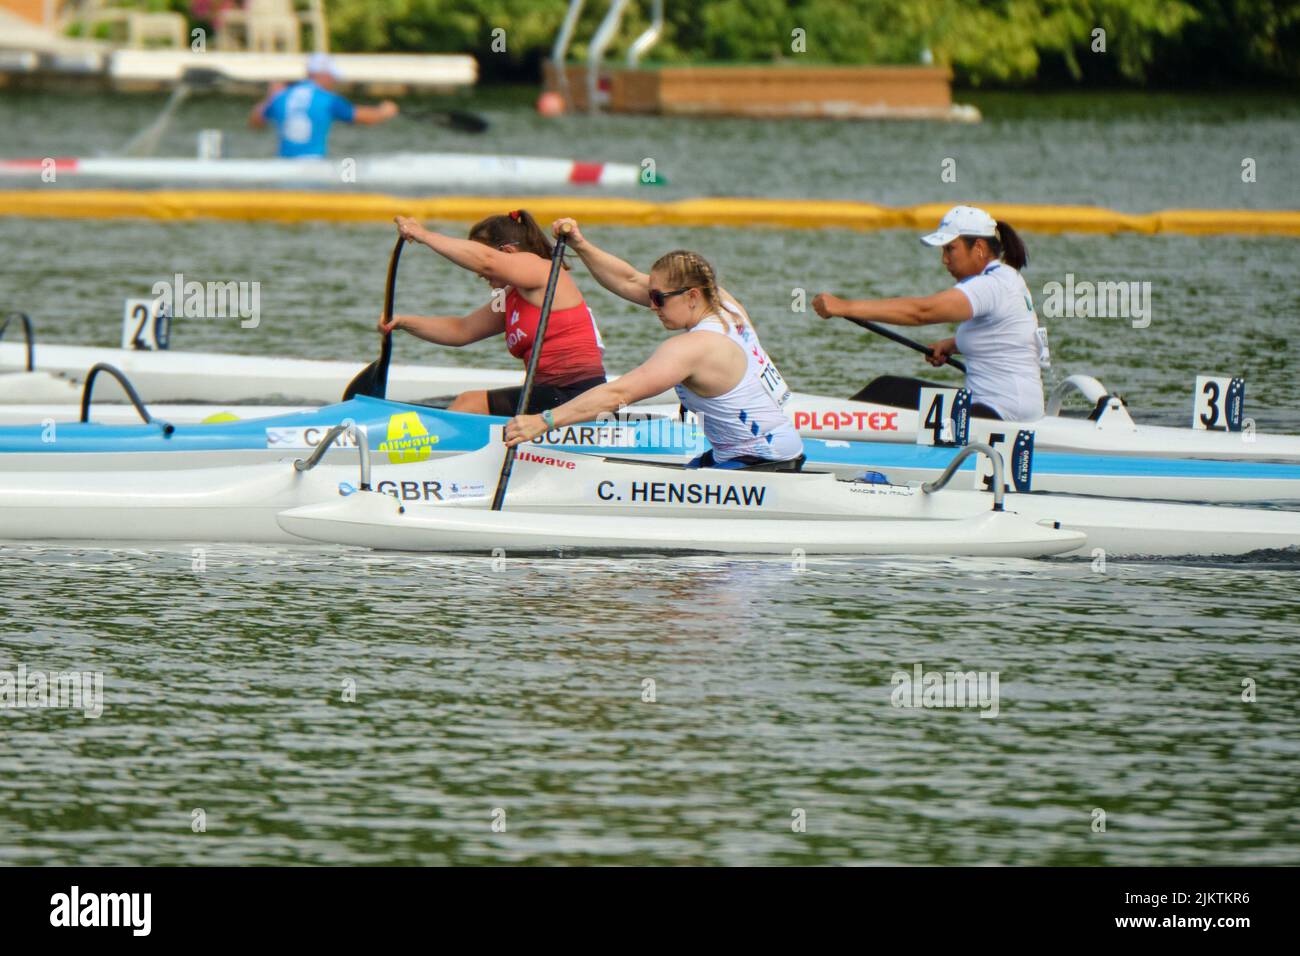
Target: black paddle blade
x=459, y=120
x=372, y=380
x=200, y=76
x=466, y=122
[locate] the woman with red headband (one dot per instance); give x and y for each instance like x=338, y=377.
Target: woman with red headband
x=513, y=254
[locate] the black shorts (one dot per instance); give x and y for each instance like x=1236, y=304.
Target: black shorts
x=749, y=463
x=504, y=402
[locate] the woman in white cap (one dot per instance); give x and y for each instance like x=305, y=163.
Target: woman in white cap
x=997, y=328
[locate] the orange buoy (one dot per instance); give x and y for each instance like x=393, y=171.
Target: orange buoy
x=550, y=103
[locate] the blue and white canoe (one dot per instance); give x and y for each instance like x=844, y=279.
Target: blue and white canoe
x=879, y=412
x=402, y=433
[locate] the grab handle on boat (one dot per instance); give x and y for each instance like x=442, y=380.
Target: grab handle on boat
x=974, y=448
x=88, y=389
x=28, y=336
x=1087, y=386
x=358, y=433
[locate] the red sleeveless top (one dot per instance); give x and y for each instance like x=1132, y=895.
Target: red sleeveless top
x=573, y=350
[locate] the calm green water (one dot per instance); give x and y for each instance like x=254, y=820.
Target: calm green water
x=520, y=688
x=1132, y=151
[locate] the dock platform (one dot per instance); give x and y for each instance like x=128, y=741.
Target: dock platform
x=770, y=91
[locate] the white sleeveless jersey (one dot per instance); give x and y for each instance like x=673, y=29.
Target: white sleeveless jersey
x=747, y=420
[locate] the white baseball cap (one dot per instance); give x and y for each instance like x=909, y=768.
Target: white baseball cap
x=961, y=221
x=322, y=63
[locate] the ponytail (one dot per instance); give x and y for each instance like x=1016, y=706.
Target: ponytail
x=1013, y=251
x=1009, y=247
x=517, y=228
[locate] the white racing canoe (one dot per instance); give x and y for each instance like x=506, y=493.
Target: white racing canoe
x=244, y=504
x=377, y=521
x=365, y=172
x=205, y=377
x=208, y=377
x=595, y=503
x=110, y=413
x=273, y=502
x=1111, y=429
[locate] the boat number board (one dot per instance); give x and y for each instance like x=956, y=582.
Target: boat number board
x=1219, y=403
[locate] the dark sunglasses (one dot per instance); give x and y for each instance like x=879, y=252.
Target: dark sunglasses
x=659, y=299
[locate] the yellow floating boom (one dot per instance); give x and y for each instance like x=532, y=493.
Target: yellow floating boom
x=776, y=213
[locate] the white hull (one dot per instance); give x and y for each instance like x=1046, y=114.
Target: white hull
x=106, y=413
x=400, y=169
x=605, y=489
x=217, y=377
x=377, y=521
x=39, y=387
x=242, y=504
x=167, y=376
x=1115, y=432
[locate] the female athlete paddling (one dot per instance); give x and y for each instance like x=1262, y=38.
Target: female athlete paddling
x=513, y=254
x=717, y=366
x=997, y=328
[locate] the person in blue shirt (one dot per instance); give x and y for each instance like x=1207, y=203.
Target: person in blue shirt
x=304, y=111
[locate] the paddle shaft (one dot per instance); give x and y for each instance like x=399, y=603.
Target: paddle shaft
x=390, y=293
x=373, y=379
x=903, y=340
x=557, y=262
x=145, y=142
x=461, y=120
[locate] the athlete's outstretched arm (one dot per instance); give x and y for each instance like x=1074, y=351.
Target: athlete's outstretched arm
x=671, y=364
x=523, y=270
x=483, y=323
x=619, y=277
x=951, y=305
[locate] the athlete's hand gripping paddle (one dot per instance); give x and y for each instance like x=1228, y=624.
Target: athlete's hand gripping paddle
x=904, y=340
x=557, y=262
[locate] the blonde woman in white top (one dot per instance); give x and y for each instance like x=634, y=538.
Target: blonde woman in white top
x=718, y=367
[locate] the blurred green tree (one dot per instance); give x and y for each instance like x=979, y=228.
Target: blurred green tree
x=986, y=42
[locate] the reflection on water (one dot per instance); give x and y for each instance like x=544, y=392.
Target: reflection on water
x=525, y=690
